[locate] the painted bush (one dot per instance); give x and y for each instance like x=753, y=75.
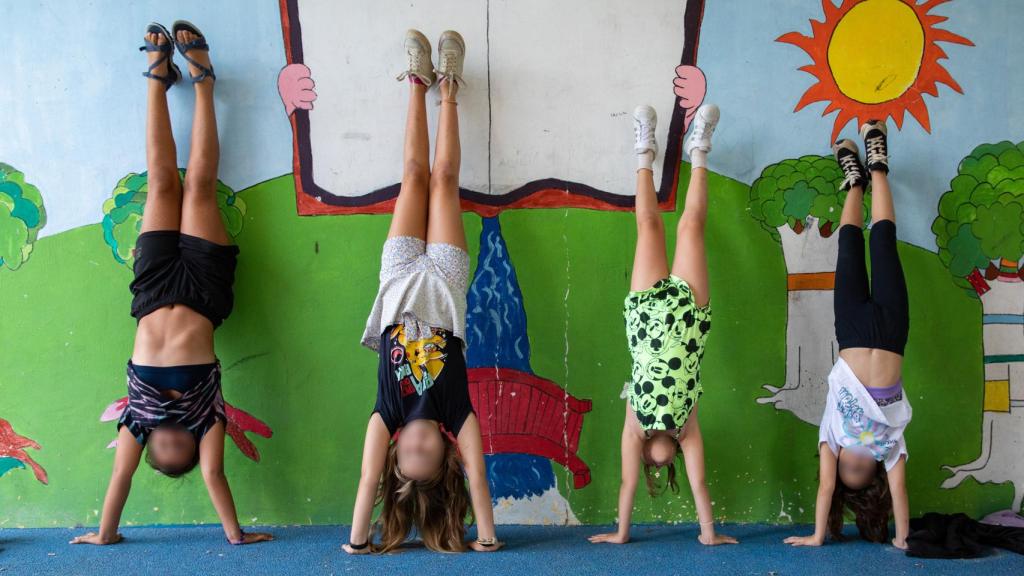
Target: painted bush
x=22, y=215
x=122, y=213
x=980, y=234
x=799, y=203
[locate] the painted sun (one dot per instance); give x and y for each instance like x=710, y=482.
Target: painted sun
x=876, y=59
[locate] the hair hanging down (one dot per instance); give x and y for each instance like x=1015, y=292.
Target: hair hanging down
x=871, y=507
x=670, y=484
x=437, y=507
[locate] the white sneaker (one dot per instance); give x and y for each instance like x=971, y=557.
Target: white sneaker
x=417, y=48
x=451, y=54
x=704, y=123
x=645, y=121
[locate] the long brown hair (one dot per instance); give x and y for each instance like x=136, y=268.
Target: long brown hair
x=436, y=507
x=871, y=507
x=670, y=483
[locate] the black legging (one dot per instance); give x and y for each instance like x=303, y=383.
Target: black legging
x=875, y=317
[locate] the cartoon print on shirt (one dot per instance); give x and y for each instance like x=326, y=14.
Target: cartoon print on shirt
x=418, y=363
x=859, y=430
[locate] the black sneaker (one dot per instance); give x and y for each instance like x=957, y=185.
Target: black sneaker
x=849, y=160
x=877, y=151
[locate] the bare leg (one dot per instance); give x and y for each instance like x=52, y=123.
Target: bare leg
x=650, y=261
x=410, y=209
x=444, y=220
x=163, y=199
x=853, y=208
x=200, y=215
x=881, y=198
x=690, y=262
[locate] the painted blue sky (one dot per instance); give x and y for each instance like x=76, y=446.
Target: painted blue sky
x=757, y=83
x=73, y=101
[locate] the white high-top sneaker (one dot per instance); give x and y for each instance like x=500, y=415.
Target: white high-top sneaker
x=417, y=49
x=645, y=121
x=848, y=157
x=704, y=123
x=451, y=54
x=876, y=149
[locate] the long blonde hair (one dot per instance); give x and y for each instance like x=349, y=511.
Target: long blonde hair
x=436, y=507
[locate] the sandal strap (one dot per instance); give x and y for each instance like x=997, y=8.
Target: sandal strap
x=199, y=43
x=166, y=55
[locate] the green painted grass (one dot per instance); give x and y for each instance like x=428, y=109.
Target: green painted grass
x=292, y=357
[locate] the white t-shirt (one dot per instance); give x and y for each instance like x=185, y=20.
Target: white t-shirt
x=854, y=421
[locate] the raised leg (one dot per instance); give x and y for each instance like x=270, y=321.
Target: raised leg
x=650, y=261
x=444, y=216
x=163, y=199
x=888, y=284
x=851, y=284
x=200, y=215
x=690, y=261
x=410, y=218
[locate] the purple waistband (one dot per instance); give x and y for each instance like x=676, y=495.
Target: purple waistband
x=886, y=393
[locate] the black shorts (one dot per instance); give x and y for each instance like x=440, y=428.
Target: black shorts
x=879, y=316
x=175, y=268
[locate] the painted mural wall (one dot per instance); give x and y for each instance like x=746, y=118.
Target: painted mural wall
x=310, y=119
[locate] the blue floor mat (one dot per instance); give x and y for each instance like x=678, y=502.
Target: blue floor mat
x=655, y=550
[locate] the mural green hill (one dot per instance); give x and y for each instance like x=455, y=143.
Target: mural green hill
x=291, y=357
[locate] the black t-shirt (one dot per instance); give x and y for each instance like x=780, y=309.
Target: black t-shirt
x=422, y=380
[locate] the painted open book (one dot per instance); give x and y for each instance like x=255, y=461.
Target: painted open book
x=545, y=119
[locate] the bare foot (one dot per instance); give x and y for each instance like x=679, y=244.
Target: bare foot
x=200, y=56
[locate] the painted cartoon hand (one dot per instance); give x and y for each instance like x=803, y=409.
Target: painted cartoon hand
x=295, y=85
x=690, y=86
x=240, y=422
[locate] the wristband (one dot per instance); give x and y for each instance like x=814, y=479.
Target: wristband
x=487, y=542
x=240, y=540
x=358, y=546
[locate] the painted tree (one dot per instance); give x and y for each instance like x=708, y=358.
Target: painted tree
x=980, y=234
x=122, y=214
x=799, y=203
x=22, y=215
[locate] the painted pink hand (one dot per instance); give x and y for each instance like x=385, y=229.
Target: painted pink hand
x=12, y=445
x=295, y=85
x=690, y=86
x=240, y=422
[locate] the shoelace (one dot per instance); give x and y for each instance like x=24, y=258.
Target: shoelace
x=642, y=133
x=448, y=60
x=851, y=168
x=415, y=56
x=876, y=151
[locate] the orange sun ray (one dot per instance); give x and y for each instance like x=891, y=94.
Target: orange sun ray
x=930, y=72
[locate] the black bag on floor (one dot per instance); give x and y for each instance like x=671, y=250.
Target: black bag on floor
x=959, y=536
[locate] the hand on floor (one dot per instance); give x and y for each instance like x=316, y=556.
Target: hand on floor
x=804, y=541
x=610, y=538
x=481, y=548
x=716, y=540
x=94, y=538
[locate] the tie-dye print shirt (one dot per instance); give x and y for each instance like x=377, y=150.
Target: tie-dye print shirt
x=853, y=419
x=198, y=409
